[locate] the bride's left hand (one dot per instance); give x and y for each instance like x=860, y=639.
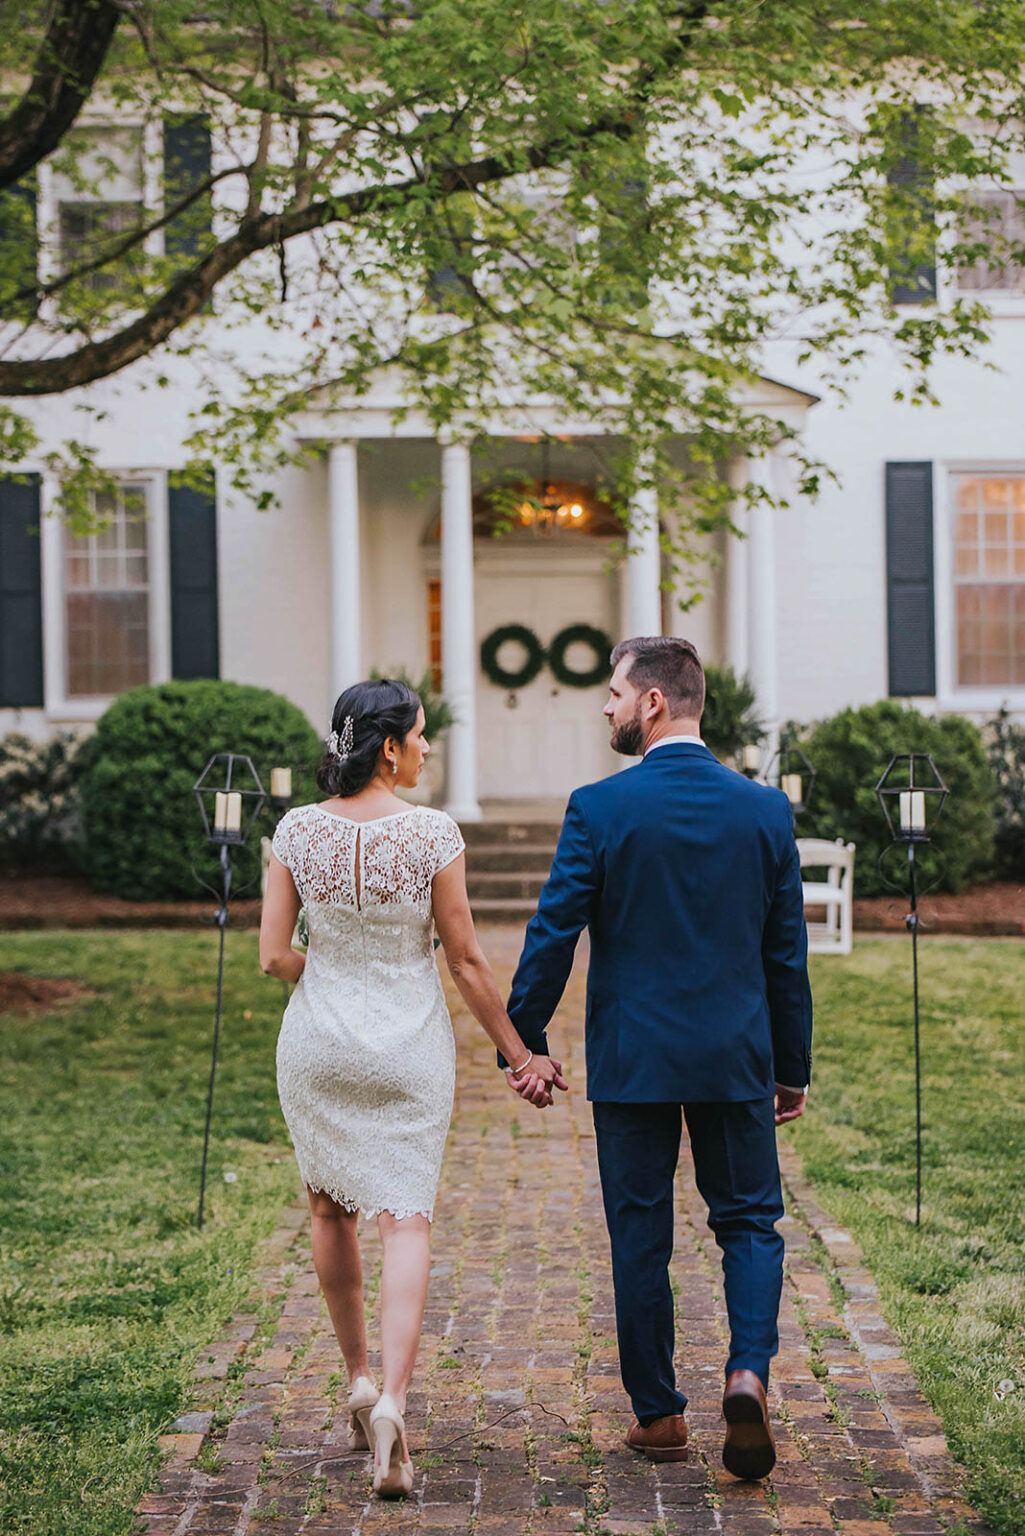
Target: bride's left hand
x=536, y=1085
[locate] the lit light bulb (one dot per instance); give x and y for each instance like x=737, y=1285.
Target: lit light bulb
x=576, y=510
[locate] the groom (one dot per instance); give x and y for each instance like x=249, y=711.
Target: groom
x=698, y=1008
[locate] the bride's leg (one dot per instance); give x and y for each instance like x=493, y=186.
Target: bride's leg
x=336, y=1260
x=407, y=1261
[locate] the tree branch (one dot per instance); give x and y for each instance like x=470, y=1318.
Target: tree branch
x=68, y=61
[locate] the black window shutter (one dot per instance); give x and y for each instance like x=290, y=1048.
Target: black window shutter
x=915, y=282
x=909, y=580
x=19, y=248
x=195, y=645
x=21, y=604
x=186, y=165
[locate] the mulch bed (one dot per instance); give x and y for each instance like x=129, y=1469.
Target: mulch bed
x=58, y=902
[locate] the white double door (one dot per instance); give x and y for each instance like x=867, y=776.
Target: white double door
x=546, y=739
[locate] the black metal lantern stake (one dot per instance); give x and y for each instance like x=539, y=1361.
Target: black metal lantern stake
x=229, y=786
x=793, y=771
x=912, y=787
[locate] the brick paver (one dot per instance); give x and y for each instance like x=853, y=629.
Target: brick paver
x=517, y=1415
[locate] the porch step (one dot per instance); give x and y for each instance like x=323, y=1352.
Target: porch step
x=525, y=858
x=492, y=910
x=507, y=863
x=499, y=834
x=487, y=885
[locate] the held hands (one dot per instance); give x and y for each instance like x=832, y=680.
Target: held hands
x=536, y=1082
x=789, y=1104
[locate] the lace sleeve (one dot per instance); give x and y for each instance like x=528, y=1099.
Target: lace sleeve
x=282, y=844
x=449, y=843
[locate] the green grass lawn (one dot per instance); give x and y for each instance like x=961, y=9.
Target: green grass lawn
x=954, y=1289
x=107, y=1290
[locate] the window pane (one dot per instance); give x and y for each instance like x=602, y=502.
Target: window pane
x=967, y=493
x=108, y=642
x=995, y=561
x=107, y=574
x=967, y=562
x=994, y=494
x=968, y=671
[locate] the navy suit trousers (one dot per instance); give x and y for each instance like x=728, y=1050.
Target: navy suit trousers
x=737, y=1172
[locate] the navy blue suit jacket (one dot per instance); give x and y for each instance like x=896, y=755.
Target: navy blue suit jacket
x=687, y=877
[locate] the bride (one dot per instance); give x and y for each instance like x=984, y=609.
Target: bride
x=366, y=1058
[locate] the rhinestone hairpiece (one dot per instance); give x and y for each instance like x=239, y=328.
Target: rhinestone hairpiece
x=341, y=745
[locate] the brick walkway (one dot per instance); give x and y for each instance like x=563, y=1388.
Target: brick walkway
x=517, y=1415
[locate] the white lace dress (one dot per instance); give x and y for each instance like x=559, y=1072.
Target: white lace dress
x=366, y=1058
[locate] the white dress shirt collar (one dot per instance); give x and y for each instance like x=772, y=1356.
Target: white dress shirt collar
x=674, y=741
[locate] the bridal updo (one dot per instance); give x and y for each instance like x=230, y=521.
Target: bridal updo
x=378, y=709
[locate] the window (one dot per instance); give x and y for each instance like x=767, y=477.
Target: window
x=97, y=186
x=107, y=596
x=989, y=579
x=998, y=224
x=86, y=230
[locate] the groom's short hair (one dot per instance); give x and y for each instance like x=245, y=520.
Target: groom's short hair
x=673, y=666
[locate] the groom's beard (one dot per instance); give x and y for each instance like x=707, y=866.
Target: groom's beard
x=628, y=739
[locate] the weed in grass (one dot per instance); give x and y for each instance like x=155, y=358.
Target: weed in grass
x=316, y=1496
x=271, y=1511
x=210, y=1459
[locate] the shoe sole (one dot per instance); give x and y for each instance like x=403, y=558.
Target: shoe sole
x=748, y=1452
x=659, y=1453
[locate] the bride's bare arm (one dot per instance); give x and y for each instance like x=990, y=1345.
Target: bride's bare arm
x=277, y=925
x=473, y=975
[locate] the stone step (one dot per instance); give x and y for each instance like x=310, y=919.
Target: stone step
x=516, y=886
x=488, y=909
x=496, y=834
x=525, y=858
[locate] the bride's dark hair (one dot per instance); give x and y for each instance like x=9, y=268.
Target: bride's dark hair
x=378, y=709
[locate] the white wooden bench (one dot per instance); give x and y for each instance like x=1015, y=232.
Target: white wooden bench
x=833, y=935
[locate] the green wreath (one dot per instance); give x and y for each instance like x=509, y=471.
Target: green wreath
x=580, y=634
x=534, y=658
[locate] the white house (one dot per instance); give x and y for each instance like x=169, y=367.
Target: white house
x=906, y=579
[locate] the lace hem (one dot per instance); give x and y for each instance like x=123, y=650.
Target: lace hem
x=352, y=1206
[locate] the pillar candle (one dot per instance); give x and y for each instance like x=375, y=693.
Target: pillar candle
x=220, y=811
x=912, y=810
x=752, y=759
x=233, y=811
x=790, y=784
x=281, y=783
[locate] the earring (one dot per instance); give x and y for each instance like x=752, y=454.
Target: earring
x=394, y=765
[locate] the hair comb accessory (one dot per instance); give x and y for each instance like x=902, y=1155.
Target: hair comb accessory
x=340, y=745
x=343, y=743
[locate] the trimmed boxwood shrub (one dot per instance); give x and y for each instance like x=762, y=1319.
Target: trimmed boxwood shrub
x=850, y=753
x=140, y=823
x=1007, y=760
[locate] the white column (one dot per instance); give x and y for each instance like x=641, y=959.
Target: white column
x=346, y=658
x=763, y=663
x=458, y=638
x=643, y=566
x=736, y=585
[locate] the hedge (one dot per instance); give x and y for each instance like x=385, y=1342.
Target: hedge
x=850, y=752
x=140, y=823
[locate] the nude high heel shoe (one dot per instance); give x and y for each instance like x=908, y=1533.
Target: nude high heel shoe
x=361, y=1400
x=393, y=1477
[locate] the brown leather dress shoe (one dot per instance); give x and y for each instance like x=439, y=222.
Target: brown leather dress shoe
x=661, y=1440
x=749, y=1451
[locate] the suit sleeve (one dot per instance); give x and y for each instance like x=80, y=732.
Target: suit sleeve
x=785, y=960
x=563, y=910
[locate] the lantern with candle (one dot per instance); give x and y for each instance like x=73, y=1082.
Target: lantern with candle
x=281, y=789
x=792, y=768
x=912, y=794
x=230, y=797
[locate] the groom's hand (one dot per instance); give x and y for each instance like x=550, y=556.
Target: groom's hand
x=536, y=1084
x=789, y=1103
